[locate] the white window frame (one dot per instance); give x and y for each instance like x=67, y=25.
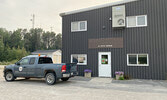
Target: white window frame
x=79, y=26
x=137, y=21
x=137, y=55
x=78, y=55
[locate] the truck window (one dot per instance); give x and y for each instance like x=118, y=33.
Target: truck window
x=24, y=61
x=32, y=61
x=45, y=60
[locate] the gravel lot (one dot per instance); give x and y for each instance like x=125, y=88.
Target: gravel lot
x=80, y=88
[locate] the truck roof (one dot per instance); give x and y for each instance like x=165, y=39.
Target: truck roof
x=36, y=56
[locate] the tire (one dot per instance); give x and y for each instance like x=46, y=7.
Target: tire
x=64, y=79
x=50, y=78
x=9, y=76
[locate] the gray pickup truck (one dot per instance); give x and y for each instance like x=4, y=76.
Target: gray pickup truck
x=40, y=67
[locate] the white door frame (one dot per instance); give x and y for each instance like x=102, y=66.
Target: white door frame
x=109, y=63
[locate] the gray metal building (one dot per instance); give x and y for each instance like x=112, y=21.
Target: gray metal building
x=128, y=36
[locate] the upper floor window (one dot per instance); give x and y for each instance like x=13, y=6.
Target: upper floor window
x=78, y=26
x=137, y=21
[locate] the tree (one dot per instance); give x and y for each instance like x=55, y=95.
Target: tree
x=15, y=53
x=1, y=48
x=27, y=42
x=48, y=40
x=58, y=42
x=6, y=36
x=16, y=44
x=36, y=38
x=16, y=39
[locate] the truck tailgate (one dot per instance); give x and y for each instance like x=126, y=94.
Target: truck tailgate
x=72, y=68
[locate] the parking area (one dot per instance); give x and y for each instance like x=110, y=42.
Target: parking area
x=80, y=88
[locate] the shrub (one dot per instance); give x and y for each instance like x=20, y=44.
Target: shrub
x=121, y=78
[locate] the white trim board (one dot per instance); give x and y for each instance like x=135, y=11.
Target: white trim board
x=97, y=7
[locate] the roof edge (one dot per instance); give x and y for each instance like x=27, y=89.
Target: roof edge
x=96, y=7
x=46, y=51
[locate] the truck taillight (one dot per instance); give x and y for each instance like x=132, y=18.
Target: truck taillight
x=63, y=69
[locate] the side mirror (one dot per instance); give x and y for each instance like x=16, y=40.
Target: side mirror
x=17, y=63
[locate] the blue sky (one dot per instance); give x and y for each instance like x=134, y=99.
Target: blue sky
x=17, y=13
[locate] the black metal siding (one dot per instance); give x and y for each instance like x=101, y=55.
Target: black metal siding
x=151, y=39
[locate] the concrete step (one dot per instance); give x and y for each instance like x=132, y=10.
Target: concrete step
x=101, y=80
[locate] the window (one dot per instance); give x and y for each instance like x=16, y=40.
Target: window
x=132, y=59
x=45, y=60
x=141, y=20
x=142, y=59
x=137, y=21
x=24, y=61
x=80, y=59
x=79, y=26
x=74, y=26
x=131, y=21
x=137, y=60
x=32, y=61
x=104, y=59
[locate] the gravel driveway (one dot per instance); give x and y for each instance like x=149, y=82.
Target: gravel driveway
x=79, y=88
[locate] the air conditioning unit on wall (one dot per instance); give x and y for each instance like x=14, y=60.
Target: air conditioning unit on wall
x=118, y=16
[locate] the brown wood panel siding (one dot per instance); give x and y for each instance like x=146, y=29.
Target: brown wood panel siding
x=105, y=43
x=151, y=39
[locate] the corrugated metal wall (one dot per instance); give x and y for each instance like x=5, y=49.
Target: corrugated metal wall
x=151, y=39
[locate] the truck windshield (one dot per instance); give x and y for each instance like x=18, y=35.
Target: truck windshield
x=45, y=60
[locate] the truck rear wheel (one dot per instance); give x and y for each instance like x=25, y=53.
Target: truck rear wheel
x=9, y=76
x=50, y=78
x=64, y=79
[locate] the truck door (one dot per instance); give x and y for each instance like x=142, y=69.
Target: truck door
x=31, y=68
x=41, y=64
x=20, y=68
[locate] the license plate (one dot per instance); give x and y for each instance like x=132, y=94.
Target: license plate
x=66, y=75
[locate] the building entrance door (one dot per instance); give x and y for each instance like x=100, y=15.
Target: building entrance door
x=104, y=59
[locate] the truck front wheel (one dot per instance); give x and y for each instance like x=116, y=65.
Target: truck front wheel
x=50, y=78
x=9, y=76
